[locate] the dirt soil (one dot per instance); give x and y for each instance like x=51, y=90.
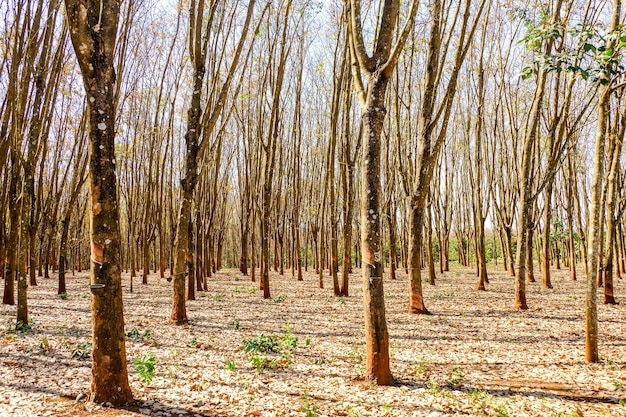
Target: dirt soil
x=473, y=356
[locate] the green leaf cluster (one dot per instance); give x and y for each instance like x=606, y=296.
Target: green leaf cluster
x=145, y=366
x=270, y=351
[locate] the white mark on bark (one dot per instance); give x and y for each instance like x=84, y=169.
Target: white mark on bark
x=102, y=126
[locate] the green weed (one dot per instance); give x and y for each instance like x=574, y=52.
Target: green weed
x=145, y=366
x=22, y=327
x=82, y=351
x=456, y=379
x=43, y=344
x=309, y=409
x=421, y=366
x=263, y=345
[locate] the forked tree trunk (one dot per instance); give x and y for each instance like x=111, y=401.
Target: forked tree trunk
x=378, y=68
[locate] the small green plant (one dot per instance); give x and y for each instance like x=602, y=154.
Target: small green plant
x=288, y=344
x=133, y=333
x=501, y=411
x=193, y=343
x=22, y=327
x=307, y=342
x=230, y=365
x=386, y=407
x=235, y=324
x=237, y=289
x=145, y=366
x=479, y=400
x=64, y=296
x=309, y=409
x=341, y=300
x=10, y=328
x=82, y=351
x=261, y=343
x=202, y=294
x=433, y=387
x=280, y=298
x=261, y=363
x=43, y=344
x=622, y=402
x=218, y=297
x=137, y=335
x=456, y=379
x=421, y=366
x=252, y=290
x=353, y=412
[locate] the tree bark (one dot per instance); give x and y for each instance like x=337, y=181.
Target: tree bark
x=595, y=208
x=93, y=29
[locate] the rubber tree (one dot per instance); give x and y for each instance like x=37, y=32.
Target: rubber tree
x=434, y=116
x=594, y=233
x=378, y=68
x=527, y=194
x=199, y=120
x=93, y=30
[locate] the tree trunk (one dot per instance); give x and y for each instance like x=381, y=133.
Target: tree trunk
x=376, y=335
x=12, y=241
x=594, y=234
x=416, y=301
x=93, y=31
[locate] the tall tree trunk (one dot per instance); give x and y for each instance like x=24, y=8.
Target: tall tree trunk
x=594, y=234
x=93, y=29
x=379, y=69
x=376, y=335
x=12, y=241
x=611, y=210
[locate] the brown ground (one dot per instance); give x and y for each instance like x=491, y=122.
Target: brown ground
x=473, y=356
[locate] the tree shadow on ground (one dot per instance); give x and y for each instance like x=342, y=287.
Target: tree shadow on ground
x=516, y=388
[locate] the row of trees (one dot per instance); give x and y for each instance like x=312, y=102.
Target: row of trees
x=214, y=133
